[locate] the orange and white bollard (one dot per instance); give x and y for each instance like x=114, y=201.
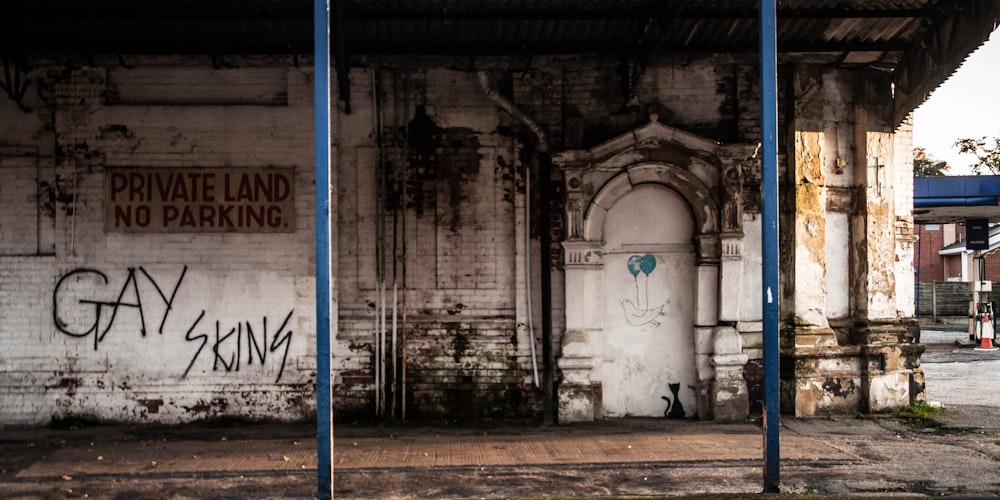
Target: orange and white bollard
x=986, y=334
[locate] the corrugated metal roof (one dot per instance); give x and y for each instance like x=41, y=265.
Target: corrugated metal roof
x=464, y=26
x=565, y=26
x=920, y=41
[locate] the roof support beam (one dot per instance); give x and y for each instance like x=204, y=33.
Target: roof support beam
x=819, y=13
x=597, y=47
x=695, y=14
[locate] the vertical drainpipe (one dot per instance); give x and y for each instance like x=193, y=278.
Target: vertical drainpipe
x=543, y=165
x=324, y=400
x=545, y=216
x=769, y=239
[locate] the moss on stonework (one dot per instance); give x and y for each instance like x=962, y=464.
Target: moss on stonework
x=917, y=414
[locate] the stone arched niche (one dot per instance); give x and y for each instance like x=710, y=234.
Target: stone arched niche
x=642, y=271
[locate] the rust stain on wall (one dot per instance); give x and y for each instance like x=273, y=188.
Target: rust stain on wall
x=214, y=407
x=810, y=207
x=70, y=384
x=881, y=279
x=153, y=405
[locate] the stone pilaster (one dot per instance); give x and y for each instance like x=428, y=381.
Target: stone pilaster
x=874, y=365
x=731, y=274
x=819, y=375
x=730, y=397
x=579, y=396
x=891, y=375
x=874, y=285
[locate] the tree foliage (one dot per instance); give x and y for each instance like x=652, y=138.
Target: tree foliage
x=987, y=153
x=924, y=165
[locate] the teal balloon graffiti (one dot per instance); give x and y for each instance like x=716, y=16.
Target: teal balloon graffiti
x=647, y=264
x=635, y=265
x=639, y=312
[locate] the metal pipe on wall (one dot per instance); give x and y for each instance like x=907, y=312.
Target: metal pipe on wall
x=405, y=195
x=380, y=246
x=397, y=208
x=392, y=348
x=543, y=166
x=545, y=216
x=527, y=277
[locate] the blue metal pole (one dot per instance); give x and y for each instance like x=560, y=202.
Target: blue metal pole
x=324, y=400
x=769, y=238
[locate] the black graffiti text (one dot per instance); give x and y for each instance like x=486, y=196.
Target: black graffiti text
x=97, y=312
x=228, y=344
x=128, y=296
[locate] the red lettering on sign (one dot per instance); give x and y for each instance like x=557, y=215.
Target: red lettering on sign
x=195, y=200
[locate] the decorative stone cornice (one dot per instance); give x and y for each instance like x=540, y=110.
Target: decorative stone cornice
x=635, y=146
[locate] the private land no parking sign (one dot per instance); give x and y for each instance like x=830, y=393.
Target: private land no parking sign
x=199, y=200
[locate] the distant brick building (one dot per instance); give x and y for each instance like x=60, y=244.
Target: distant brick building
x=944, y=267
x=941, y=254
x=931, y=239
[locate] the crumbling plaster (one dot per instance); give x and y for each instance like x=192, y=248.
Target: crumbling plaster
x=847, y=345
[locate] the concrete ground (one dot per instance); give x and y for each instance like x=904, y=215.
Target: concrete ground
x=954, y=453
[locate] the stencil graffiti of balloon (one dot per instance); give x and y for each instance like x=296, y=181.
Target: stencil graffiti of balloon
x=635, y=265
x=646, y=263
x=639, y=313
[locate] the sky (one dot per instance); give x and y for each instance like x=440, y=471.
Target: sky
x=967, y=105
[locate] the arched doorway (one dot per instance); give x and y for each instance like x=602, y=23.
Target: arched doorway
x=653, y=226
x=648, y=367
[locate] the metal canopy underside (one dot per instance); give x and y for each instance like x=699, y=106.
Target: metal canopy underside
x=940, y=200
x=921, y=42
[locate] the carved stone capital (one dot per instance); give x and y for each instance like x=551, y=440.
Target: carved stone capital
x=580, y=253
x=732, y=246
x=708, y=248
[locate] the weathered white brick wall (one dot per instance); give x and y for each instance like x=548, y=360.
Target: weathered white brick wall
x=906, y=243
x=453, y=236
x=226, y=324
x=159, y=327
